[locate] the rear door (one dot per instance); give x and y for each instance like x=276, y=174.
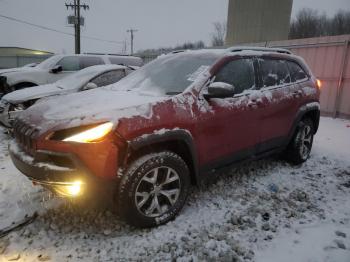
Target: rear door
x=279, y=102
x=228, y=129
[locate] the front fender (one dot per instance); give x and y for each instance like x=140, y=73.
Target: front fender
x=164, y=136
x=37, y=78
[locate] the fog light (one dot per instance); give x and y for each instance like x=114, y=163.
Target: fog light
x=72, y=189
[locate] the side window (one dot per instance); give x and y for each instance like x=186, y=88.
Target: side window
x=296, y=72
x=87, y=61
x=108, y=78
x=274, y=72
x=239, y=73
x=69, y=63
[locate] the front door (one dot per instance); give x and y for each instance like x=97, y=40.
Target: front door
x=228, y=127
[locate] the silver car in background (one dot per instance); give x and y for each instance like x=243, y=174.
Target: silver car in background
x=56, y=68
x=92, y=77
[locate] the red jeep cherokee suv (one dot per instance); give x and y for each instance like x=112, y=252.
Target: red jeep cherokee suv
x=146, y=139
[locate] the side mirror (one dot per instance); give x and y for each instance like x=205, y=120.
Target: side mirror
x=89, y=86
x=220, y=90
x=56, y=69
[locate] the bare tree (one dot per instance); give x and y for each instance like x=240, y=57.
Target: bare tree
x=219, y=34
x=309, y=23
x=306, y=24
x=340, y=24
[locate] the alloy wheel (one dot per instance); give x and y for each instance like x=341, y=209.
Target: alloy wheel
x=306, y=142
x=157, y=191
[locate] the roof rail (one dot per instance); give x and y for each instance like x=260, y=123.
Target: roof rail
x=256, y=48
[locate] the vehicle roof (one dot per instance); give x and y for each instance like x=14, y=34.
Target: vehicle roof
x=239, y=50
x=104, y=67
x=97, y=55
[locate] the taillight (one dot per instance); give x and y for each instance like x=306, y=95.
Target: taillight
x=319, y=84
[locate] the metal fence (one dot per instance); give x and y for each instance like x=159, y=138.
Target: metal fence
x=20, y=60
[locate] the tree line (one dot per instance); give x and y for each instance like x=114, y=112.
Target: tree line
x=310, y=23
x=307, y=23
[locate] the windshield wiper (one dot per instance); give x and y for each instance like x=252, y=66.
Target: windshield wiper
x=128, y=67
x=173, y=93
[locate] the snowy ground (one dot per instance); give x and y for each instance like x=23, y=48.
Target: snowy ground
x=262, y=211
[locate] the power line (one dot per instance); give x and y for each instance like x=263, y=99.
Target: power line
x=58, y=31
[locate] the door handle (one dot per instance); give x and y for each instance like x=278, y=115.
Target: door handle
x=254, y=103
x=297, y=94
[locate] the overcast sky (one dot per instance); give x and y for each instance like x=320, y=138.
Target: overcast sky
x=161, y=23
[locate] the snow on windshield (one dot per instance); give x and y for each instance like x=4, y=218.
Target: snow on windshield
x=50, y=62
x=169, y=74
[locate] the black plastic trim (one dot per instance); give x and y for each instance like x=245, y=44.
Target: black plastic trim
x=170, y=136
x=45, y=175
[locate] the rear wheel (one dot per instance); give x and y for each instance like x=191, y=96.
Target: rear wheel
x=299, y=149
x=154, y=189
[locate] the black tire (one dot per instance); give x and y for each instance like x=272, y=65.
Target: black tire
x=136, y=179
x=299, y=149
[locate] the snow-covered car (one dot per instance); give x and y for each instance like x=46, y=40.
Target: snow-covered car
x=56, y=68
x=15, y=102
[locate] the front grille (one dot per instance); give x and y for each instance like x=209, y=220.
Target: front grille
x=25, y=135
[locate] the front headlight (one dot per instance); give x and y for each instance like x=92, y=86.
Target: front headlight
x=91, y=135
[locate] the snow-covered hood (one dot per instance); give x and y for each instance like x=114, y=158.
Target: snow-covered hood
x=89, y=107
x=35, y=92
x=17, y=69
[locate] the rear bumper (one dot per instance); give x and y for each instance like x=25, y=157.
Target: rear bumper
x=55, y=170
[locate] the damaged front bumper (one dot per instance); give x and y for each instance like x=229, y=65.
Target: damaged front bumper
x=61, y=173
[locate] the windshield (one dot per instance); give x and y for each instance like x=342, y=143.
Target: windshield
x=78, y=79
x=168, y=75
x=50, y=62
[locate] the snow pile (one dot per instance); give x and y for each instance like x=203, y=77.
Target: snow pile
x=262, y=211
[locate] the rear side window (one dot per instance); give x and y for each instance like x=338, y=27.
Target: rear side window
x=239, y=73
x=274, y=72
x=296, y=72
x=69, y=63
x=109, y=78
x=90, y=61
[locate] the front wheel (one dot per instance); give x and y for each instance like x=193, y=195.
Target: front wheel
x=153, y=189
x=299, y=149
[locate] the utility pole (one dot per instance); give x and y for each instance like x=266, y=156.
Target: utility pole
x=76, y=6
x=132, y=31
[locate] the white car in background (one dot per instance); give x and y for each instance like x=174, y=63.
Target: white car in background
x=56, y=68
x=89, y=78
